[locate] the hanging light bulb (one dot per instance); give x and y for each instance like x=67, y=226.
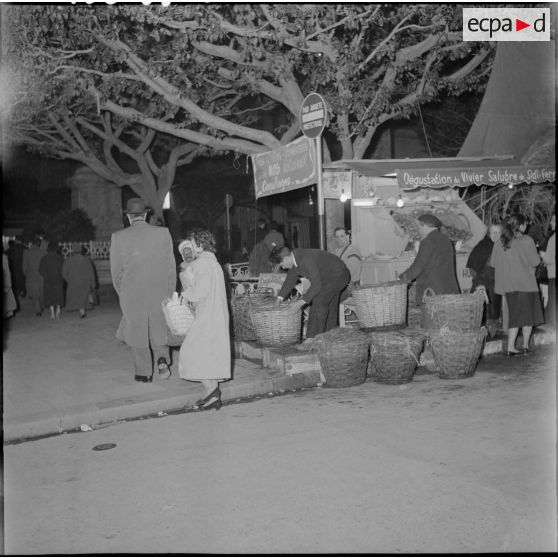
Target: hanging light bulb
x=343, y=197
x=400, y=202
x=510, y=186
x=310, y=200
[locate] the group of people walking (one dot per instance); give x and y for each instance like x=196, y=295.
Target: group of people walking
x=49, y=280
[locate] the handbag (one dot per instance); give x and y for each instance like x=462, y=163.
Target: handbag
x=178, y=314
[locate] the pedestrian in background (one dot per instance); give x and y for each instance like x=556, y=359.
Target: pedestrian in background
x=328, y=276
x=33, y=279
x=549, y=258
x=514, y=259
x=205, y=354
x=15, y=258
x=258, y=261
x=9, y=304
x=79, y=275
x=483, y=274
x=143, y=271
x=51, y=270
x=351, y=257
x=434, y=265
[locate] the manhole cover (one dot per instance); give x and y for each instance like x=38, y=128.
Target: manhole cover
x=102, y=447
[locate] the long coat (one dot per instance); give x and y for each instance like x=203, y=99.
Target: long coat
x=434, y=266
x=143, y=271
x=51, y=270
x=79, y=274
x=205, y=353
x=33, y=279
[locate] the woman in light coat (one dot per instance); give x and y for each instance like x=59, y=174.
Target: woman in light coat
x=205, y=354
x=514, y=259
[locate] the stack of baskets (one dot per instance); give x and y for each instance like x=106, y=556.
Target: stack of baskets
x=394, y=355
x=276, y=325
x=343, y=354
x=454, y=331
x=381, y=305
x=240, y=309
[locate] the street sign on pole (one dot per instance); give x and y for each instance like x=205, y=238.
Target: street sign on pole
x=313, y=117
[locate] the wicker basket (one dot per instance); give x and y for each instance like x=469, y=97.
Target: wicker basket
x=276, y=325
x=178, y=314
x=343, y=354
x=462, y=311
x=381, y=305
x=456, y=352
x=395, y=355
x=240, y=309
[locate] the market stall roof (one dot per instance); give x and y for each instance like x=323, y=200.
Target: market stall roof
x=451, y=171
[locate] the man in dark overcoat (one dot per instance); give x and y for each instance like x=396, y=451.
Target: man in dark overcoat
x=328, y=276
x=143, y=270
x=434, y=265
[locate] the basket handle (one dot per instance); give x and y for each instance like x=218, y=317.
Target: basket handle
x=428, y=291
x=481, y=291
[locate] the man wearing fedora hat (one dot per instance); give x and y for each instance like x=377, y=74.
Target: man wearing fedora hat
x=434, y=265
x=143, y=271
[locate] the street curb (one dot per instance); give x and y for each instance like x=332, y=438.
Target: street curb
x=103, y=413
x=96, y=414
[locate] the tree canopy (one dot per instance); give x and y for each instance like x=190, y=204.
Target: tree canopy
x=190, y=78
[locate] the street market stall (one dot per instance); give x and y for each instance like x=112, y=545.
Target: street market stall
x=387, y=195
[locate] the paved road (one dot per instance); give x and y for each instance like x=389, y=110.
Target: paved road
x=454, y=466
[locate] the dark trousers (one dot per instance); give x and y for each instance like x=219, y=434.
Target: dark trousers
x=494, y=306
x=324, y=311
x=143, y=362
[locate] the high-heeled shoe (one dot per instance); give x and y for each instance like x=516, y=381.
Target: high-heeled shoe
x=215, y=393
x=217, y=404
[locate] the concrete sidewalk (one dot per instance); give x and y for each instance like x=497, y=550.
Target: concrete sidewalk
x=61, y=374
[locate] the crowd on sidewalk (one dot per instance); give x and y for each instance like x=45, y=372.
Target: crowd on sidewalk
x=144, y=273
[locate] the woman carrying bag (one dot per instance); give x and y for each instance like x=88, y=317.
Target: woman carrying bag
x=205, y=354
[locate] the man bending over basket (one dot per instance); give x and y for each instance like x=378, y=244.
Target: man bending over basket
x=328, y=276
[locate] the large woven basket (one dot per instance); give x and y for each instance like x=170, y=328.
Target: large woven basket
x=457, y=311
x=456, y=352
x=395, y=355
x=381, y=305
x=243, y=327
x=343, y=354
x=276, y=325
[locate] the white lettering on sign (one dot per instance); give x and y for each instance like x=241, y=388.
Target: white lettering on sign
x=314, y=115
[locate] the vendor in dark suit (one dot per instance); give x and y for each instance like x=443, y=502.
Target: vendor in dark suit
x=328, y=276
x=434, y=265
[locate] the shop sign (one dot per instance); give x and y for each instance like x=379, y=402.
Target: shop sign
x=337, y=182
x=462, y=177
x=287, y=168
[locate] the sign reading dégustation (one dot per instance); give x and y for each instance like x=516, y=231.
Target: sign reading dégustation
x=461, y=177
x=313, y=115
x=287, y=168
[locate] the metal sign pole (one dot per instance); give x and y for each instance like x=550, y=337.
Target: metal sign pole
x=321, y=201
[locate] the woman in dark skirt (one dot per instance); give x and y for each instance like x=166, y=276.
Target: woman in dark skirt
x=51, y=270
x=515, y=259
